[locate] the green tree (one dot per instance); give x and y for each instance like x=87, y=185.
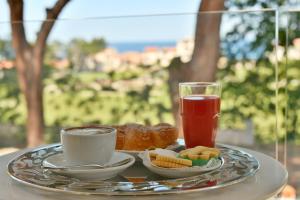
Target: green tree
x=6, y=50
x=29, y=64
x=258, y=85
x=55, y=50
x=79, y=49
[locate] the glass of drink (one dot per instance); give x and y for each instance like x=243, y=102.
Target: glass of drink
x=200, y=110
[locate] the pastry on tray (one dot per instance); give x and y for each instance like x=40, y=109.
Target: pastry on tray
x=137, y=137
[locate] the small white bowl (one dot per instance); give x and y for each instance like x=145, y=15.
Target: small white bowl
x=58, y=160
x=213, y=164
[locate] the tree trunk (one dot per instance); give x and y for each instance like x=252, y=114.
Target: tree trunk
x=30, y=82
x=34, y=104
x=29, y=62
x=203, y=64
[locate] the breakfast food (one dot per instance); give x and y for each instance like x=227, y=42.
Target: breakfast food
x=200, y=152
x=165, y=164
x=169, y=161
x=139, y=137
x=179, y=161
x=197, y=156
x=153, y=155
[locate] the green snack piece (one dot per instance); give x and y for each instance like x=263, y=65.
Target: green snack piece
x=198, y=162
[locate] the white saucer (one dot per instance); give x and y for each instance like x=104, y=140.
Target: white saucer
x=213, y=164
x=58, y=160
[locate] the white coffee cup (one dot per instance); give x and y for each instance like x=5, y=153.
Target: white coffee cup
x=88, y=145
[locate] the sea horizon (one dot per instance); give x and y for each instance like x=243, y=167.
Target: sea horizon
x=140, y=46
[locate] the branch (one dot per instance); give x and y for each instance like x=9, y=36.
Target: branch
x=17, y=26
x=47, y=25
x=207, y=39
x=208, y=24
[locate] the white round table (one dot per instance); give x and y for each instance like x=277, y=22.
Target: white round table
x=267, y=183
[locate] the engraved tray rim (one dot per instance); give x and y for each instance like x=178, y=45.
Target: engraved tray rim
x=138, y=193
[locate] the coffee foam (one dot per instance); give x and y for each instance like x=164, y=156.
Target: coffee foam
x=88, y=131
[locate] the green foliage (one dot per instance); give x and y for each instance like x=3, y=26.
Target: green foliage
x=253, y=83
x=11, y=104
x=72, y=99
x=78, y=50
x=6, y=50
x=249, y=93
x=55, y=50
x=87, y=47
x=76, y=99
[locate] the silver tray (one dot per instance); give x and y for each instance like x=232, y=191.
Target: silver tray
x=27, y=169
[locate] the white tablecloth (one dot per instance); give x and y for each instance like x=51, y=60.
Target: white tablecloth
x=269, y=181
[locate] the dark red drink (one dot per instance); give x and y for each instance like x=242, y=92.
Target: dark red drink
x=200, y=115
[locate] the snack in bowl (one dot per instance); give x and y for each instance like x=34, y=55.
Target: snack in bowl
x=168, y=163
x=137, y=137
x=199, y=155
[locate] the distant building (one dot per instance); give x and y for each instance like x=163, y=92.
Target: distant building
x=168, y=53
x=293, y=52
x=6, y=64
x=131, y=57
x=60, y=63
x=107, y=60
x=184, y=49
x=110, y=59
x=151, y=55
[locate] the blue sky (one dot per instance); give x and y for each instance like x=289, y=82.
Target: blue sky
x=113, y=30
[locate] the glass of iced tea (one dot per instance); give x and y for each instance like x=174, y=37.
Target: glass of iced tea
x=200, y=110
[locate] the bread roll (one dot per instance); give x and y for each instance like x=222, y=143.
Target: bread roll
x=120, y=136
x=138, y=137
